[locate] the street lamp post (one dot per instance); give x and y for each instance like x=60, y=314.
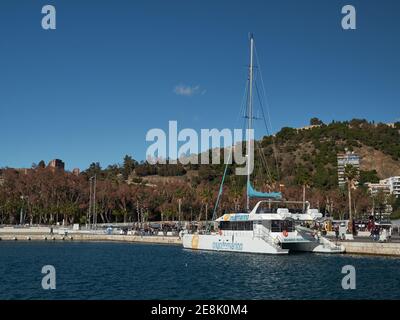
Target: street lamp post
x=92, y=201
x=21, y=213
x=179, y=209
x=2, y=218
x=90, y=204
x=94, y=204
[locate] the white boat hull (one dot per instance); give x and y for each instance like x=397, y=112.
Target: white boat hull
x=313, y=246
x=246, y=242
x=217, y=242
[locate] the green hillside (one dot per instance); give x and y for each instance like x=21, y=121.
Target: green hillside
x=291, y=160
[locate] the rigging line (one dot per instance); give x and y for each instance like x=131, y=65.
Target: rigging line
x=230, y=153
x=265, y=163
x=221, y=187
x=260, y=169
x=269, y=119
x=263, y=87
x=262, y=154
x=269, y=116
x=244, y=99
x=243, y=106
x=262, y=109
x=263, y=158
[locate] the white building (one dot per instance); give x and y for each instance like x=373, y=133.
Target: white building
x=394, y=185
x=311, y=126
x=344, y=159
x=375, y=188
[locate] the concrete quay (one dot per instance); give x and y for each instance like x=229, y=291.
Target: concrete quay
x=372, y=248
x=361, y=245
x=171, y=240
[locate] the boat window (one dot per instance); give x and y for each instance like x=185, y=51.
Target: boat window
x=267, y=207
x=281, y=225
x=236, y=225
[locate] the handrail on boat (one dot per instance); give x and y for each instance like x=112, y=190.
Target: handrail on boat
x=267, y=238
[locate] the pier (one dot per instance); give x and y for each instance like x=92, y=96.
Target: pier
x=361, y=245
x=43, y=234
x=92, y=237
x=372, y=248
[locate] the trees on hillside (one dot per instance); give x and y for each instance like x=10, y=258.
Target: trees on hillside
x=128, y=166
x=315, y=122
x=304, y=157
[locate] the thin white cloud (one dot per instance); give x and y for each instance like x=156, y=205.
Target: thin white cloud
x=188, y=91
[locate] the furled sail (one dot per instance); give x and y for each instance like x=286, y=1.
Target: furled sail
x=257, y=194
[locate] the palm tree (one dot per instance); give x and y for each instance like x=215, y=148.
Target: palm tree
x=235, y=193
x=206, y=196
x=303, y=178
x=351, y=173
x=306, y=182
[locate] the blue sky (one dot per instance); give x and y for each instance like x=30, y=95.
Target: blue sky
x=91, y=89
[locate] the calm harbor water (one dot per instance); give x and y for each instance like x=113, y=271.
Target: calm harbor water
x=136, y=271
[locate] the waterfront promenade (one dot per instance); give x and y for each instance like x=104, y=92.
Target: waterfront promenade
x=44, y=234
x=360, y=245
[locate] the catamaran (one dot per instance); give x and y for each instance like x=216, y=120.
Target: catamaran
x=266, y=228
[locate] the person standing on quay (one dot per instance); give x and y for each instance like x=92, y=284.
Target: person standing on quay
x=337, y=233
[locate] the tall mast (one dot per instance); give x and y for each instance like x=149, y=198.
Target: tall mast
x=250, y=117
